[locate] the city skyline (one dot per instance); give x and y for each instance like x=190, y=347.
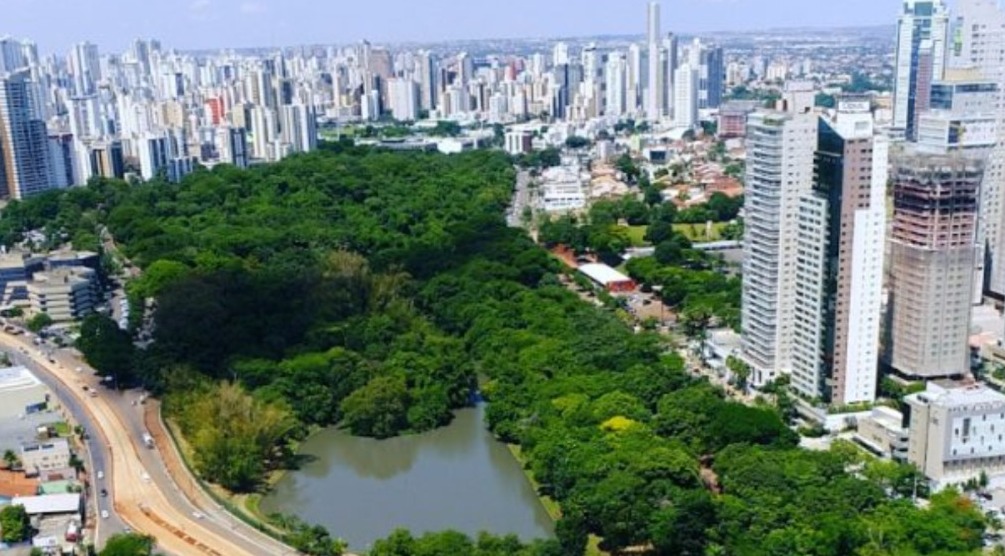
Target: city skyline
x=211, y=24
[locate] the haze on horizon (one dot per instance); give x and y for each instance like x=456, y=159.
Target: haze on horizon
x=192, y=24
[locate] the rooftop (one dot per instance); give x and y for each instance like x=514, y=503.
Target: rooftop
x=603, y=274
x=970, y=395
x=49, y=503
x=12, y=378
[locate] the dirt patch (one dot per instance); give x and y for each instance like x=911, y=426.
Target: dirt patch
x=14, y=483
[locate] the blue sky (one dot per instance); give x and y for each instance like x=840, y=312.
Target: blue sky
x=57, y=24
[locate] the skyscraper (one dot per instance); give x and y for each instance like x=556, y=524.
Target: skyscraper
x=933, y=252
x=404, y=99
x=85, y=65
x=25, y=165
x=11, y=55
x=922, y=36
x=685, y=99
x=981, y=25
x=839, y=261
x=615, y=75
x=656, y=86
x=780, y=149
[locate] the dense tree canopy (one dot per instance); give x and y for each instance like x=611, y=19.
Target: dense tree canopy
x=370, y=289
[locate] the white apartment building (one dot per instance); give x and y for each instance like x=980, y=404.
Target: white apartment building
x=982, y=48
x=404, y=95
x=780, y=149
x=685, y=102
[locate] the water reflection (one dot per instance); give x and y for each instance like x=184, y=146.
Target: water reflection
x=457, y=477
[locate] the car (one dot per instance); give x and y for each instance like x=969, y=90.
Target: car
x=104, y=514
x=197, y=515
x=104, y=493
x=101, y=474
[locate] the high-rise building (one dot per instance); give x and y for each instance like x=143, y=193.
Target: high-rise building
x=636, y=78
x=404, y=99
x=616, y=85
x=712, y=77
x=426, y=72
x=299, y=127
x=780, y=149
x=25, y=165
x=932, y=258
x=61, y=160
x=922, y=38
x=839, y=261
x=105, y=160
x=685, y=100
x=963, y=117
x=232, y=143
x=669, y=62
x=85, y=66
x=981, y=45
x=655, y=85
x=11, y=55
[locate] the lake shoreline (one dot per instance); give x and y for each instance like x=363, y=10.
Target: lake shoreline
x=361, y=489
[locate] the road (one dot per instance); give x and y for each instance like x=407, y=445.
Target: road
x=145, y=496
x=97, y=457
x=521, y=200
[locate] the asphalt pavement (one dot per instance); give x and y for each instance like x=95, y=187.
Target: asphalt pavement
x=97, y=456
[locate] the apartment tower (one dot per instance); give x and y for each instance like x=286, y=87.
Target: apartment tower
x=839, y=261
x=922, y=36
x=780, y=147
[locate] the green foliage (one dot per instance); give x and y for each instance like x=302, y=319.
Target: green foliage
x=719, y=208
x=371, y=288
x=128, y=544
x=546, y=158
x=402, y=543
x=106, y=347
x=576, y=142
x=236, y=438
x=689, y=282
x=14, y=524
x=39, y=321
x=378, y=409
x=446, y=128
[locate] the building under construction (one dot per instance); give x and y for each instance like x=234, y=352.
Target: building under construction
x=932, y=258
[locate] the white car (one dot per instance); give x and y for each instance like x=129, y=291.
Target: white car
x=104, y=514
x=101, y=474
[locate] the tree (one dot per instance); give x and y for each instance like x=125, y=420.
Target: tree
x=235, y=436
x=379, y=409
x=14, y=524
x=576, y=142
x=10, y=459
x=106, y=347
x=39, y=321
x=128, y=544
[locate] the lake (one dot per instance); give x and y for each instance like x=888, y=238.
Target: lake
x=457, y=477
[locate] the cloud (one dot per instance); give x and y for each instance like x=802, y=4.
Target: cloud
x=253, y=7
